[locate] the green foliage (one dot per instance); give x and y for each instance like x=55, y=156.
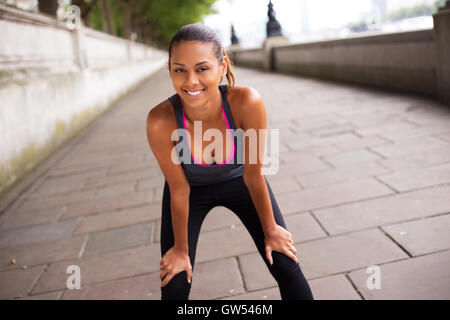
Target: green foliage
x=416, y=11
x=170, y=15
x=358, y=26
x=155, y=20
x=95, y=18
x=403, y=13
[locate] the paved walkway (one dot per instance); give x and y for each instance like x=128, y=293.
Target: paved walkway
x=364, y=181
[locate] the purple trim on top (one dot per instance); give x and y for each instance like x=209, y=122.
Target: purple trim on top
x=229, y=131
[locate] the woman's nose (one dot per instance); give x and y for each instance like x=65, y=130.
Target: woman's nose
x=192, y=78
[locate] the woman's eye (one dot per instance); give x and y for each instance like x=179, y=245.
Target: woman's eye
x=201, y=69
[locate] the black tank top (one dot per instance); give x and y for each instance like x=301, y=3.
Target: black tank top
x=203, y=174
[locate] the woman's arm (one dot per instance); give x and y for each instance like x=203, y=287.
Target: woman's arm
x=255, y=118
x=159, y=130
x=276, y=237
x=160, y=124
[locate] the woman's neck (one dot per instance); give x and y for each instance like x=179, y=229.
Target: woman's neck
x=209, y=112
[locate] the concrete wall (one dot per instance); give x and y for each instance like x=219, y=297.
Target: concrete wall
x=54, y=81
x=402, y=61
x=415, y=62
x=252, y=58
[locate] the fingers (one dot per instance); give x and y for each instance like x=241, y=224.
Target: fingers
x=189, y=275
x=163, y=274
x=167, y=279
x=269, y=255
x=291, y=255
x=292, y=248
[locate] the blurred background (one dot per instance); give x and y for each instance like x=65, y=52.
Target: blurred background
x=359, y=90
x=154, y=22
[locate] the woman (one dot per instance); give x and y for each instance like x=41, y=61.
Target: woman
x=197, y=64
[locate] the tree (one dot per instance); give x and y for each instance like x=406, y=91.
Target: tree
x=153, y=21
x=107, y=16
x=48, y=7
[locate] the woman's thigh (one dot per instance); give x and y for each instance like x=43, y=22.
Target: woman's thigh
x=235, y=196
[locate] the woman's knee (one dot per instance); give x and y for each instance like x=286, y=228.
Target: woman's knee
x=177, y=288
x=290, y=278
x=283, y=266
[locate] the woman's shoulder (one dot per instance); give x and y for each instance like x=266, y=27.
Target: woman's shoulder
x=243, y=94
x=244, y=101
x=162, y=116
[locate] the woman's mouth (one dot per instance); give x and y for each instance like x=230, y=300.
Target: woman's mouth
x=194, y=94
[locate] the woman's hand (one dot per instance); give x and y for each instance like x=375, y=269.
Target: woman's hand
x=280, y=240
x=172, y=263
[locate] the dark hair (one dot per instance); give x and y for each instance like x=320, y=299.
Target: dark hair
x=200, y=32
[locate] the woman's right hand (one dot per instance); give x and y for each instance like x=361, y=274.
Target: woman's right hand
x=172, y=263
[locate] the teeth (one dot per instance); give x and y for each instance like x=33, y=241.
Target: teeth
x=194, y=93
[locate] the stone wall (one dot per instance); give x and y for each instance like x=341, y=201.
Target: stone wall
x=55, y=80
x=415, y=62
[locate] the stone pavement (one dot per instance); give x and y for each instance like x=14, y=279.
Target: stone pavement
x=364, y=180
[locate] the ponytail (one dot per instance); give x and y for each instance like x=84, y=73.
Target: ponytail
x=230, y=74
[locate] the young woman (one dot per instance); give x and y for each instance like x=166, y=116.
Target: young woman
x=197, y=64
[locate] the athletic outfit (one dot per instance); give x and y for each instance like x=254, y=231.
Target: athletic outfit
x=222, y=185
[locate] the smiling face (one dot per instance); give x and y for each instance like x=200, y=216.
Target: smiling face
x=195, y=71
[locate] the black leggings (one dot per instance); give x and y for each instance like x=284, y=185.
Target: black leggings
x=234, y=195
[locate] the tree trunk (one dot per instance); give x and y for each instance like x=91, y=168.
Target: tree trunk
x=48, y=7
x=107, y=17
x=127, y=12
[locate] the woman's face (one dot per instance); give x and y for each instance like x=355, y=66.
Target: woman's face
x=194, y=68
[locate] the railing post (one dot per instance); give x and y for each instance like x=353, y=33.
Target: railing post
x=268, y=55
x=442, y=41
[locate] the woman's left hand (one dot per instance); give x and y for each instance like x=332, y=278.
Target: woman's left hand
x=280, y=240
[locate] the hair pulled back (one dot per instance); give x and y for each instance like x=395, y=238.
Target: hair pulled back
x=203, y=33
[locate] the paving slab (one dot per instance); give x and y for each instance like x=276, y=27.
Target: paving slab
x=420, y=278
x=119, y=218
x=39, y=233
x=417, y=160
x=17, y=283
x=101, y=267
x=385, y=210
x=28, y=255
x=224, y=243
x=410, y=179
x=119, y=238
x=331, y=195
x=335, y=287
x=32, y=218
x=144, y=287
x=351, y=158
x=422, y=236
x=337, y=254
x=265, y=294
x=207, y=284
x=345, y=174
x=102, y=205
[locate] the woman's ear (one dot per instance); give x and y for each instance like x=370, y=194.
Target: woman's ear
x=226, y=66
